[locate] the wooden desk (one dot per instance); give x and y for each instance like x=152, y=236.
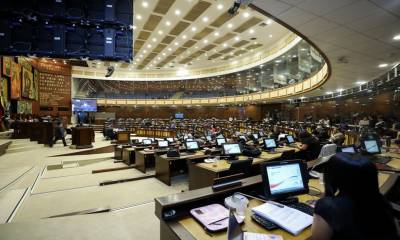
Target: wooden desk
x=118, y=151
x=128, y=155
x=165, y=165
x=183, y=226
x=144, y=160
x=123, y=137
x=203, y=174
x=82, y=137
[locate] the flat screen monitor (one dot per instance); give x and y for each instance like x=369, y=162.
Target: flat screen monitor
x=170, y=140
x=283, y=179
x=147, y=141
x=348, y=149
x=192, y=145
x=255, y=135
x=289, y=139
x=270, y=143
x=84, y=105
x=162, y=143
x=231, y=149
x=209, y=138
x=371, y=146
x=220, y=141
x=179, y=116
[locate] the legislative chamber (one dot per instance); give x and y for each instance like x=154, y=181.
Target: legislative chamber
x=200, y=119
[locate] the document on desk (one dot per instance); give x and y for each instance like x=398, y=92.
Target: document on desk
x=290, y=219
x=259, y=236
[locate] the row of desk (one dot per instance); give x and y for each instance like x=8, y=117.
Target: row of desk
x=176, y=222
x=200, y=174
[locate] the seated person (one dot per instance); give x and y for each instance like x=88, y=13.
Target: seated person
x=322, y=134
x=337, y=137
x=352, y=208
x=310, y=146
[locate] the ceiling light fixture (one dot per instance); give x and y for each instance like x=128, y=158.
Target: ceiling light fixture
x=251, y=31
x=269, y=21
x=205, y=19
x=145, y=4
x=194, y=29
x=160, y=32
x=184, y=36
x=329, y=93
x=154, y=39
x=383, y=65
x=177, y=12
x=139, y=17
x=230, y=25
x=397, y=37
x=220, y=6
x=246, y=14
x=237, y=38
x=339, y=90
x=168, y=23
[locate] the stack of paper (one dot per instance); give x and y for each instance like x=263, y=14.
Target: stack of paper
x=290, y=219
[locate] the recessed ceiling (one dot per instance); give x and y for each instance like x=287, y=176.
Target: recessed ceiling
x=190, y=34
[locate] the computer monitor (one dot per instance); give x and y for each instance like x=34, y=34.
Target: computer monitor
x=231, y=149
x=255, y=135
x=220, y=141
x=192, y=145
x=270, y=144
x=371, y=146
x=170, y=140
x=209, y=138
x=162, y=144
x=289, y=139
x=282, y=179
x=347, y=149
x=147, y=141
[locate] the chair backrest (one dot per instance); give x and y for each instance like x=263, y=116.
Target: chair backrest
x=328, y=150
x=288, y=155
x=241, y=166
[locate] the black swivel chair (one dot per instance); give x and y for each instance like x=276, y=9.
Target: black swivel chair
x=241, y=166
x=288, y=155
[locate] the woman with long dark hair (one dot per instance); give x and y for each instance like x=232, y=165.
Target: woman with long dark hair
x=353, y=208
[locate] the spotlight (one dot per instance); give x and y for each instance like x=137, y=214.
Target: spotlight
x=110, y=71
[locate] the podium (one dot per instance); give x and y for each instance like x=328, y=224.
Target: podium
x=82, y=137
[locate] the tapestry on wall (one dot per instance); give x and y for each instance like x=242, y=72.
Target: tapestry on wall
x=35, y=86
x=15, y=81
x=7, y=66
x=24, y=107
x=27, y=83
x=4, y=91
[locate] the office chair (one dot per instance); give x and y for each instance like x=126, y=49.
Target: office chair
x=288, y=155
x=241, y=166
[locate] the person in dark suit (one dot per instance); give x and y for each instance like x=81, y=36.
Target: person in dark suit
x=59, y=133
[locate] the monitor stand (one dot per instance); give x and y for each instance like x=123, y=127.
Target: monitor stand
x=272, y=151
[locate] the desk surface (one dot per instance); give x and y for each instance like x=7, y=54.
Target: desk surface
x=196, y=230
x=223, y=165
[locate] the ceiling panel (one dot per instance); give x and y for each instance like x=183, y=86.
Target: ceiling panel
x=144, y=35
x=209, y=47
x=197, y=10
x=152, y=22
x=168, y=39
x=224, y=38
x=200, y=35
x=179, y=28
x=226, y=50
x=240, y=43
x=221, y=20
x=159, y=48
x=189, y=43
x=163, y=6
x=248, y=24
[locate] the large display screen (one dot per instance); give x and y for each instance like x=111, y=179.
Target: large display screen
x=84, y=105
x=285, y=178
x=178, y=115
